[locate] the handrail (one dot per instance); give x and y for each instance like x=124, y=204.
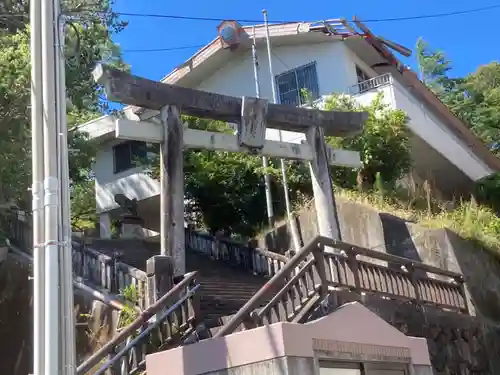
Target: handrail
x=135, y=325
x=282, y=293
x=276, y=282
x=143, y=334
x=97, y=269
x=235, y=253
x=386, y=257
x=370, y=84
x=100, y=295
x=411, y=281
x=346, y=271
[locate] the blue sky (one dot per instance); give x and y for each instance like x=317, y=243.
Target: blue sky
x=469, y=40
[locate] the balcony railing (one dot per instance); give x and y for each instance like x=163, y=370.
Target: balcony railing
x=371, y=84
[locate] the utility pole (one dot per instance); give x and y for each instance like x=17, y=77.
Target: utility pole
x=65, y=250
x=265, y=162
x=51, y=190
x=37, y=188
x=293, y=225
x=54, y=320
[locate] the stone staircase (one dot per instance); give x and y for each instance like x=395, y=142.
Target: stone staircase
x=232, y=287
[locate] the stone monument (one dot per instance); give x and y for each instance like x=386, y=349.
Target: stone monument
x=131, y=223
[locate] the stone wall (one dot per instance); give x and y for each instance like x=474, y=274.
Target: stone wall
x=446, y=332
x=96, y=322
x=458, y=344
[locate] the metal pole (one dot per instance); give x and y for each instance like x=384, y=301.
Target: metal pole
x=265, y=162
x=67, y=305
x=51, y=196
x=293, y=225
x=164, y=229
x=37, y=188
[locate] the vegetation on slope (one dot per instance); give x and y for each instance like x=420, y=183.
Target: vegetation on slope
x=472, y=221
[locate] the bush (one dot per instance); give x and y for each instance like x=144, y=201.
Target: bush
x=383, y=144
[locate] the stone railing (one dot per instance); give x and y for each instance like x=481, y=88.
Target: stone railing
x=91, y=267
x=257, y=261
x=103, y=271
x=311, y=274
x=166, y=323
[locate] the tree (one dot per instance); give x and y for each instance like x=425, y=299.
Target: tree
x=434, y=68
x=475, y=98
x=226, y=189
x=383, y=145
x=480, y=104
x=88, y=43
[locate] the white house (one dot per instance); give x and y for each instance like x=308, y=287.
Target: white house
x=335, y=56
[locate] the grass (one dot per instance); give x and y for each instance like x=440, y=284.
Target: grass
x=468, y=219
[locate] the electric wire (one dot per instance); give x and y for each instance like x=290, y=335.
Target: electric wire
x=407, y=18
x=216, y=19
x=13, y=19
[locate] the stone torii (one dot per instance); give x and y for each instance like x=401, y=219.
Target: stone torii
x=252, y=117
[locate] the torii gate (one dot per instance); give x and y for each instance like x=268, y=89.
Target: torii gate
x=252, y=117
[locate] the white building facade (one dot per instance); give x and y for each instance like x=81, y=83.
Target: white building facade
x=322, y=62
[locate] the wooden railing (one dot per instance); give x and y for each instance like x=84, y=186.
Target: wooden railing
x=236, y=254
x=294, y=289
x=313, y=273
x=89, y=266
x=166, y=322
x=398, y=278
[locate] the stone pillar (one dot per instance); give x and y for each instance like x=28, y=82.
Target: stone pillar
x=131, y=227
x=160, y=272
x=105, y=226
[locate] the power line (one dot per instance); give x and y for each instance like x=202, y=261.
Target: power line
x=216, y=19
x=163, y=49
x=436, y=15
x=408, y=18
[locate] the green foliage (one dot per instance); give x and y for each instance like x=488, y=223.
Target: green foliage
x=83, y=213
x=94, y=43
x=383, y=145
x=475, y=99
x=129, y=313
x=434, y=67
x=226, y=188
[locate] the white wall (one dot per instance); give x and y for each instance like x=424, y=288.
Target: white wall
x=432, y=130
x=335, y=74
x=134, y=183
x=334, y=70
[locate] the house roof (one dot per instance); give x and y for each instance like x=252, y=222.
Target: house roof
x=342, y=29
x=291, y=33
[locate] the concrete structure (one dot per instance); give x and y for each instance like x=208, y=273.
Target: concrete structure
x=350, y=341
x=307, y=56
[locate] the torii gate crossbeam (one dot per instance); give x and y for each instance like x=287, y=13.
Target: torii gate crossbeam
x=252, y=117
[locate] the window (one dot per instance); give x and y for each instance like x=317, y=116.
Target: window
x=340, y=368
x=290, y=84
x=128, y=154
x=362, y=76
